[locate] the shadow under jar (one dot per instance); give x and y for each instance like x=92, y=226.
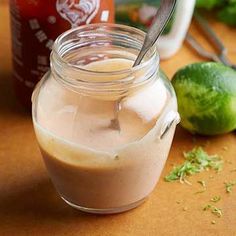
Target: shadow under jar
x=104, y=128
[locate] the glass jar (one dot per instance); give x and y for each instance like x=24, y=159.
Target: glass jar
x=104, y=128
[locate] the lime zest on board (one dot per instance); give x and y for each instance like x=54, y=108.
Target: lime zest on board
x=214, y=210
x=229, y=186
x=196, y=161
x=202, y=182
x=215, y=199
x=208, y=206
x=201, y=191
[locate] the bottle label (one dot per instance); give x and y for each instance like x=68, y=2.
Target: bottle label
x=78, y=12
x=35, y=24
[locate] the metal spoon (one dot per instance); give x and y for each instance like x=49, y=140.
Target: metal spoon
x=159, y=23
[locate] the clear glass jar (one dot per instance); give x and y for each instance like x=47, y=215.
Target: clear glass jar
x=104, y=128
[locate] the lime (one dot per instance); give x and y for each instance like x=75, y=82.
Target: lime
x=206, y=94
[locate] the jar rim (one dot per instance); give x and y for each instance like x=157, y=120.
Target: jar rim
x=55, y=55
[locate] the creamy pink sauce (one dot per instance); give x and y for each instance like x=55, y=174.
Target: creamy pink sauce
x=92, y=164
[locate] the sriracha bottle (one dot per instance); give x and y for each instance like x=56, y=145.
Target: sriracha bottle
x=35, y=24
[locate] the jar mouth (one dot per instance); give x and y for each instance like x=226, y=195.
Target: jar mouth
x=97, y=36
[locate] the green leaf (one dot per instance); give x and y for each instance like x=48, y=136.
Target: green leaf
x=228, y=14
x=208, y=4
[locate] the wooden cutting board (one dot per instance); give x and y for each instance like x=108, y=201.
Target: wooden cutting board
x=29, y=205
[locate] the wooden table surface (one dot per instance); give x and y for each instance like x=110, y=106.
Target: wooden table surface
x=29, y=205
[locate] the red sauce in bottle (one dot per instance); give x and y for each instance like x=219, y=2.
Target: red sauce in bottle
x=36, y=24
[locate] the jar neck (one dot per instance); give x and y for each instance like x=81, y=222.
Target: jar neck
x=75, y=51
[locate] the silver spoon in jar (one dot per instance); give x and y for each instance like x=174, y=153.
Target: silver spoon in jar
x=159, y=23
x=160, y=20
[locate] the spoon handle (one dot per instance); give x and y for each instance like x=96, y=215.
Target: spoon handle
x=160, y=20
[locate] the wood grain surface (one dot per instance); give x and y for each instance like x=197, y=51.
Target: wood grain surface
x=29, y=205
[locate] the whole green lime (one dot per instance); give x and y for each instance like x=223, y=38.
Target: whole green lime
x=206, y=94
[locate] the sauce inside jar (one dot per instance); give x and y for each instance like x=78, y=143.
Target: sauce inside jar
x=85, y=163
x=104, y=127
